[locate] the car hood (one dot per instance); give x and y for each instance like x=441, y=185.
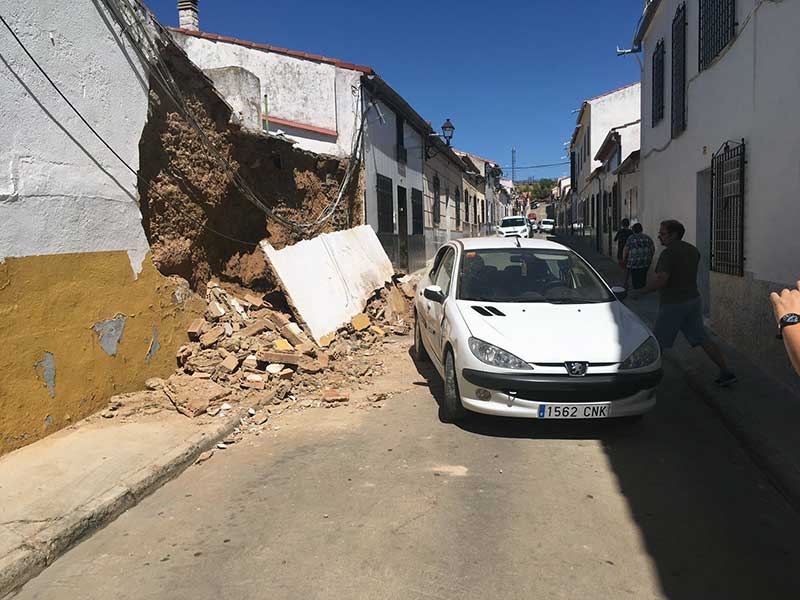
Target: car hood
x=555, y=333
x=511, y=228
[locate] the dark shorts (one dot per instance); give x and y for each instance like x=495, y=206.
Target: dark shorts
x=686, y=317
x=639, y=278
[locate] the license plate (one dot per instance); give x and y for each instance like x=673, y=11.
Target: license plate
x=574, y=411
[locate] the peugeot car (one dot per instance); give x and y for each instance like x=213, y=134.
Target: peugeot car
x=527, y=328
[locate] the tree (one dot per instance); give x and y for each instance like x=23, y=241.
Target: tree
x=539, y=188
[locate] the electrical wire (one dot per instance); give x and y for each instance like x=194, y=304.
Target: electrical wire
x=558, y=164
x=102, y=140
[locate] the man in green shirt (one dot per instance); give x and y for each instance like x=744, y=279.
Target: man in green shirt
x=681, y=308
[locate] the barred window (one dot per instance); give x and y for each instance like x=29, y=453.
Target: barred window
x=679, y=71
x=458, y=208
x=437, y=209
x=717, y=28
x=658, y=83
x=727, y=209
x=416, y=212
x=466, y=206
x=385, y=205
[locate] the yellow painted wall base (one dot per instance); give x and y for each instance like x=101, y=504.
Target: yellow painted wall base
x=53, y=369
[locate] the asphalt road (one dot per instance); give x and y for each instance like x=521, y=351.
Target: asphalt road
x=391, y=503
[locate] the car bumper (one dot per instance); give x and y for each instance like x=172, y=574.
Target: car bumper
x=521, y=395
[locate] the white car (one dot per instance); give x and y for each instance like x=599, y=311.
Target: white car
x=546, y=225
x=513, y=227
x=527, y=328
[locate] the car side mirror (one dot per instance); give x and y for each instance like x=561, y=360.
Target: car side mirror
x=434, y=294
x=620, y=292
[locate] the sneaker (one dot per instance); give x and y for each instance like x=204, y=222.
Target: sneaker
x=726, y=379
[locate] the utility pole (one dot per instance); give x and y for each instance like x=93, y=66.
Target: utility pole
x=513, y=165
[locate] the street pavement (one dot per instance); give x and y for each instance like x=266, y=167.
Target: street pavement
x=392, y=503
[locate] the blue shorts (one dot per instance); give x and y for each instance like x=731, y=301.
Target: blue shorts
x=686, y=317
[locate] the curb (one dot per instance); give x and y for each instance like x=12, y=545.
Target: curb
x=25, y=562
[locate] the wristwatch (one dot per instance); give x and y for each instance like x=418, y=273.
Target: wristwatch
x=787, y=320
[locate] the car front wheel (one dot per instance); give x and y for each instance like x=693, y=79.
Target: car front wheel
x=451, y=410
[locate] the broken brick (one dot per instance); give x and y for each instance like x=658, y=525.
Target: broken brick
x=259, y=326
x=360, y=322
x=212, y=336
x=230, y=364
x=293, y=333
x=195, y=329
x=254, y=301
x=281, y=345
x=286, y=358
x=331, y=395
x=327, y=340
x=215, y=310
x=377, y=330
x=305, y=348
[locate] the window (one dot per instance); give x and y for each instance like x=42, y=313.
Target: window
x=466, y=206
x=475, y=209
x=437, y=209
x=402, y=154
x=458, y=208
x=416, y=212
x=385, y=205
x=658, y=83
x=727, y=209
x=717, y=28
x=679, y=71
x=444, y=276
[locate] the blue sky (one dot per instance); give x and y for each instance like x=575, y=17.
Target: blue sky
x=505, y=73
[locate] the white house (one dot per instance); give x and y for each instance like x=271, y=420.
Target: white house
x=597, y=116
x=320, y=103
x=719, y=153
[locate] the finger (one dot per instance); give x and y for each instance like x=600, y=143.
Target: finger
x=774, y=297
x=798, y=284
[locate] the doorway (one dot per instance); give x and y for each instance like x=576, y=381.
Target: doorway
x=703, y=235
x=402, y=226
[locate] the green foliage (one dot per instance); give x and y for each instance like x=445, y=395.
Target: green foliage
x=539, y=188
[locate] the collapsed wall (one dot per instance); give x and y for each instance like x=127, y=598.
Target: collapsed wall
x=199, y=222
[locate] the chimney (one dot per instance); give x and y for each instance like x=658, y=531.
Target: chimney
x=187, y=15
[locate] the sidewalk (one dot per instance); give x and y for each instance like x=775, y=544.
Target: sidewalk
x=762, y=413
x=59, y=490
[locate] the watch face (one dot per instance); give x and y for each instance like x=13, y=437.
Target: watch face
x=790, y=319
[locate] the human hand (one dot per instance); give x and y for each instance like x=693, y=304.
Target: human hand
x=788, y=301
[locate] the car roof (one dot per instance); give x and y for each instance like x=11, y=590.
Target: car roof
x=484, y=243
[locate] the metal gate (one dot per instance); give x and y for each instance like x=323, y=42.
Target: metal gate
x=727, y=209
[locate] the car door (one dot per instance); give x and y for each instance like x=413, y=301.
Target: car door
x=443, y=278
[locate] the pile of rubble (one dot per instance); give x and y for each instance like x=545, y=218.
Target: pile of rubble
x=245, y=352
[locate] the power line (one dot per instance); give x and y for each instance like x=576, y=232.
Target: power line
x=103, y=141
x=516, y=168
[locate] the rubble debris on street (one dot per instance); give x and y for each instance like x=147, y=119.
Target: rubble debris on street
x=245, y=354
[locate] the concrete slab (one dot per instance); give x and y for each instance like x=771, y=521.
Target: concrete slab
x=58, y=490
x=328, y=279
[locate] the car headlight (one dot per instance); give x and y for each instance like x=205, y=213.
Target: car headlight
x=646, y=354
x=497, y=357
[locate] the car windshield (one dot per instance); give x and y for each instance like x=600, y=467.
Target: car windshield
x=547, y=221
x=529, y=275
x=515, y=222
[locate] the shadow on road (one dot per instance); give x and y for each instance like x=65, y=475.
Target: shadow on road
x=710, y=522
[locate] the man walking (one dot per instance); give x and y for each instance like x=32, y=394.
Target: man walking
x=638, y=255
x=680, y=307
x=622, y=238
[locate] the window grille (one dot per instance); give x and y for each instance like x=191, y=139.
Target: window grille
x=385, y=205
x=437, y=208
x=679, y=71
x=658, y=83
x=727, y=209
x=416, y=212
x=475, y=210
x=458, y=208
x=466, y=206
x=717, y=28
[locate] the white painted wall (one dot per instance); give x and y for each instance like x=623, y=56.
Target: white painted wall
x=380, y=152
x=749, y=92
x=301, y=90
x=61, y=190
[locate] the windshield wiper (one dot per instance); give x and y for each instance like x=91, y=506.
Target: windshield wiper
x=573, y=301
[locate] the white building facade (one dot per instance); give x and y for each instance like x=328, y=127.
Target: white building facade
x=719, y=153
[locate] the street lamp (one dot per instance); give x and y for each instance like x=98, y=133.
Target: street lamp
x=447, y=134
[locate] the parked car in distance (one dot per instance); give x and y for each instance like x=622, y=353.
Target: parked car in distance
x=546, y=225
x=513, y=227
x=527, y=328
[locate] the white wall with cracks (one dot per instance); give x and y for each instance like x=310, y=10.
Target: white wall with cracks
x=61, y=190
